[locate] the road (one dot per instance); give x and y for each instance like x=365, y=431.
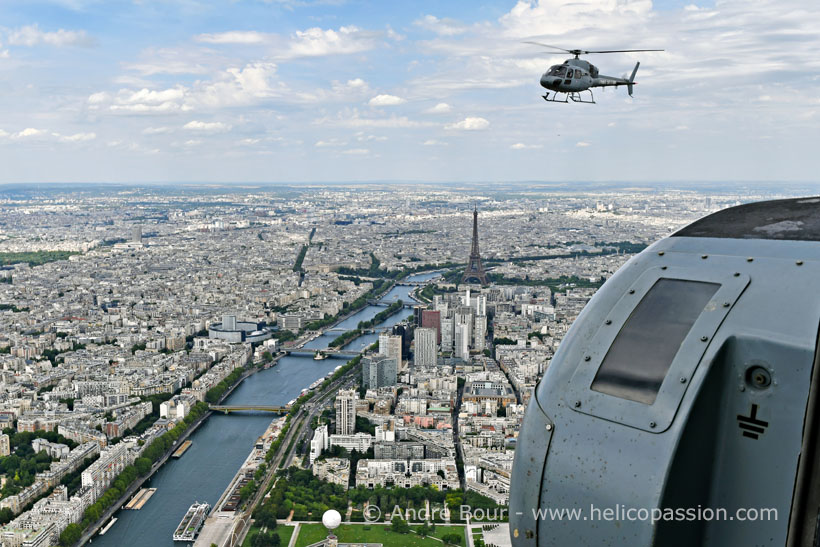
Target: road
x=322, y=402
x=457, y=440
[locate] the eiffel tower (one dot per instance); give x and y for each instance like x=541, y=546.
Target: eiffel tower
x=475, y=270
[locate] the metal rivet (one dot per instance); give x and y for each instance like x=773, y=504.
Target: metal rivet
x=750, y=259
x=577, y=404
x=631, y=291
x=704, y=338
x=799, y=262
x=726, y=304
x=661, y=253
x=682, y=380
x=704, y=257
x=587, y=357
x=652, y=424
x=549, y=427
x=608, y=322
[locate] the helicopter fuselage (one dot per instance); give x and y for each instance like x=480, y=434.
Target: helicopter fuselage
x=576, y=75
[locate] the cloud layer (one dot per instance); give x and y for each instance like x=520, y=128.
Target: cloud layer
x=325, y=91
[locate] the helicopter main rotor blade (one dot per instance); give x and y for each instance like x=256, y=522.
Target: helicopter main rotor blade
x=622, y=50
x=585, y=52
x=547, y=45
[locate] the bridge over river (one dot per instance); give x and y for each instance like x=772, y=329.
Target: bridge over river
x=326, y=352
x=227, y=409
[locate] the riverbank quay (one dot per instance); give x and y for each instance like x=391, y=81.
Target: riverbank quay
x=94, y=528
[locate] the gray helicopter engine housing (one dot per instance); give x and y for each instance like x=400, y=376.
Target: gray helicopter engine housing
x=682, y=407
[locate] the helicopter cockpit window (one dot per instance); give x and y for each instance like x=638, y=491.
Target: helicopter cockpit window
x=557, y=71
x=577, y=73
x=641, y=354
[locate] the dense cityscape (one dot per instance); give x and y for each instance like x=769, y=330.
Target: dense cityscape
x=128, y=316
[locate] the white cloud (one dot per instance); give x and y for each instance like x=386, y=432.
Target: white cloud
x=235, y=86
x=582, y=144
x=433, y=142
x=31, y=35
x=312, y=42
x=76, y=137
x=156, y=130
x=391, y=122
x=187, y=144
x=235, y=37
x=386, y=100
x=442, y=27
x=315, y=42
x=351, y=90
x=440, y=108
x=354, y=120
x=177, y=60
x=556, y=17
x=143, y=100
x=98, y=98
x=363, y=137
x=133, y=147
x=470, y=123
x=239, y=86
x=28, y=132
x=331, y=142
x=356, y=152
x=42, y=134
x=207, y=127
x=356, y=83
x=522, y=146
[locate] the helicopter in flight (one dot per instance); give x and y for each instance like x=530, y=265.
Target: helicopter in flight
x=569, y=80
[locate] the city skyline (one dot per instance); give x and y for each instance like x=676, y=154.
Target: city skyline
x=265, y=354
x=357, y=91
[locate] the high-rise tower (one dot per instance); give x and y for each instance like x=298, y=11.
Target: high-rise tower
x=475, y=270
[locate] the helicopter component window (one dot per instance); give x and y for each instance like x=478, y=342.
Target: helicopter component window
x=557, y=71
x=640, y=356
x=577, y=73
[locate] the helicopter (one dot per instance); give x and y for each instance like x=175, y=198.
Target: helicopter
x=575, y=76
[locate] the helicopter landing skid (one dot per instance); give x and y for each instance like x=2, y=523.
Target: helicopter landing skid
x=574, y=96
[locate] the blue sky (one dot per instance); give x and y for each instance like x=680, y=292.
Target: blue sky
x=338, y=90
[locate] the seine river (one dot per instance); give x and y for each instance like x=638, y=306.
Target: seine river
x=222, y=442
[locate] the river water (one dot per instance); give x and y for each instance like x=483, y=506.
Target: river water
x=222, y=443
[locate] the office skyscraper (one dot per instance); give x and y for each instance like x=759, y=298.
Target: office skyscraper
x=432, y=319
x=447, y=328
x=346, y=412
x=379, y=371
x=390, y=345
x=425, y=339
x=462, y=341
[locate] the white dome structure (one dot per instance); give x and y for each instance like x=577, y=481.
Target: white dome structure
x=331, y=519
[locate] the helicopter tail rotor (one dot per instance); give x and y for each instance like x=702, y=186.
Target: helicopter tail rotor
x=632, y=78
